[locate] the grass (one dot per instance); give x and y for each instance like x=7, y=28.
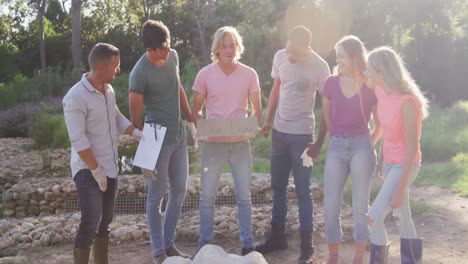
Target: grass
x=452, y=174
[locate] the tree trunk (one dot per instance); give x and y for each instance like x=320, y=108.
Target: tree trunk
x=76, y=33
x=204, y=48
x=40, y=19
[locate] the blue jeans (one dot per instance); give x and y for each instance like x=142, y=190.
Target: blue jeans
x=381, y=206
x=214, y=156
x=172, y=168
x=286, y=151
x=97, y=208
x=345, y=155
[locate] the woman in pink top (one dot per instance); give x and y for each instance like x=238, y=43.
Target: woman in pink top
x=401, y=106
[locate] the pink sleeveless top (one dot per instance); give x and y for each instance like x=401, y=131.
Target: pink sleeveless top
x=389, y=110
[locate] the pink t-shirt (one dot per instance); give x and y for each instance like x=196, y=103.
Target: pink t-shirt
x=389, y=110
x=226, y=96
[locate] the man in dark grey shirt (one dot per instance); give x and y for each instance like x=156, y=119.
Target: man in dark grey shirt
x=93, y=123
x=155, y=88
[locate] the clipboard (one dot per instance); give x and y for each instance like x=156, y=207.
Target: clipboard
x=149, y=147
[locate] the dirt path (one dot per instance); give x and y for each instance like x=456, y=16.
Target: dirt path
x=444, y=229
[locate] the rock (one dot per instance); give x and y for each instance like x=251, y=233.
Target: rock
x=6, y=243
x=8, y=212
x=131, y=189
x=45, y=239
x=213, y=254
x=28, y=226
x=26, y=238
x=36, y=243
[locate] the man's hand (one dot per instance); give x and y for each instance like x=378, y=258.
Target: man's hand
x=137, y=134
x=149, y=174
x=314, y=150
x=196, y=117
x=266, y=129
x=100, y=178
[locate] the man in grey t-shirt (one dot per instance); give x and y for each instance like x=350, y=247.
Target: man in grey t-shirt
x=298, y=73
x=155, y=88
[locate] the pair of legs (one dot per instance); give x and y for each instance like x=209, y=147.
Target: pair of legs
x=171, y=169
x=286, y=151
x=239, y=158
x=381, y=206
x=355, y=156
x=97, y=208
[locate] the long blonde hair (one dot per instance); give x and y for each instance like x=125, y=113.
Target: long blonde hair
x=390, y=65
x=218, y=42
x=356, y=51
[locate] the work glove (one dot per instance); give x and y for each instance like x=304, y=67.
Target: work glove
x=100, y=178
x=137, y=134
x=306, y=159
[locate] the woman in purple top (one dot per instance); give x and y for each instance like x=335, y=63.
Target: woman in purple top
x=347, y=107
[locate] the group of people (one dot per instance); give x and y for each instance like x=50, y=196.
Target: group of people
x=363, y=86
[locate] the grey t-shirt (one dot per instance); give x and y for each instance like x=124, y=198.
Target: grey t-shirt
x=299, y=83
x=160, y=88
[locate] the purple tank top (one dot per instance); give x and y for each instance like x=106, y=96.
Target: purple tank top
x=349, y=117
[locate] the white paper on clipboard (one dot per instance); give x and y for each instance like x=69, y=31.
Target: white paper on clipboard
x=149, y=147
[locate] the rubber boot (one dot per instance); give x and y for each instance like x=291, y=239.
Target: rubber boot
x=307, y=248
x=276, y=240
x=100, y=249
x=81, y=255
x=411, y=251
x=379, y=254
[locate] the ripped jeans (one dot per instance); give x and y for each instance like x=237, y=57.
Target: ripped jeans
x=381, y=206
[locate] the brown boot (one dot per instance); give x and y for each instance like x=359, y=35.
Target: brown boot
x=159, y=259
x=173, y=251
x=81, y=255
x=100, y=249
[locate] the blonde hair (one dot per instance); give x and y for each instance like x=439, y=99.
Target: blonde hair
x=356, y=51
x=390, y=65
x=218, y=42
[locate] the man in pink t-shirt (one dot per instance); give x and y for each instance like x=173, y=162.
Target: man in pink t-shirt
x=225, y=87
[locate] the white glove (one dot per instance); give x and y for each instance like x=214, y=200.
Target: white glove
x=149, y=174
x=100, y=178
x=306, y=159
x=137, y=134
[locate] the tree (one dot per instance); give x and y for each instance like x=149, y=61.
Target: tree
x=77, y=52
x=40, y=19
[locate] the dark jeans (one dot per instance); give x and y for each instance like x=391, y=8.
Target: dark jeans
x=286, y=151
x=97, y=208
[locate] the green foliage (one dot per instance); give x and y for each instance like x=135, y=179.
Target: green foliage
x=445, y=132
x=20, y=89
x=461, y=163
x=120, y=86
x=8, y=63
x=452, y=174
x=49, y=130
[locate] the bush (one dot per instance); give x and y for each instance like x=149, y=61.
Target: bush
x=49, y=131
x=20, y=89
x=445, y=132
x=121, y=93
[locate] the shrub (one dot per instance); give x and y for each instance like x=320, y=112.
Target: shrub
x=49, y=130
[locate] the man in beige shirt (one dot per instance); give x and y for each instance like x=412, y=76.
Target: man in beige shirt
x=94, y=122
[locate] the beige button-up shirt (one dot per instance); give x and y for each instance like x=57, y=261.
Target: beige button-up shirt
x=93, y=121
